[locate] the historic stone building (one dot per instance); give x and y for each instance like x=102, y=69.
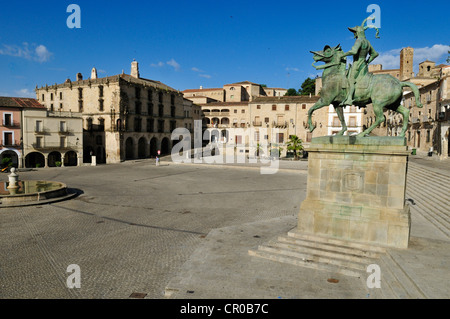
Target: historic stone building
x=51, y=138
x=124, y=116
x=33, y=137
x=247, y=114
x=428, y=126
x=11, y=129
x=288, y=115
x=235, y=92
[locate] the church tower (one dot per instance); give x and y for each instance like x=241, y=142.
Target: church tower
x=406, y=63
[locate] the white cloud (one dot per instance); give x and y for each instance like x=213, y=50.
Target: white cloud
x=205, y=76
x=42, y=53
x=25, y=93
x=293, y=69
x=37, y=53
x=196, y=69
x=391, y=59
x=174, y=64
x=157, y=65
x=435, y=53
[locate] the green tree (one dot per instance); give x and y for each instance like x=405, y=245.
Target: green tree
x=295, y=144
x=308, y=87
x=291, y=92
x=448, y=59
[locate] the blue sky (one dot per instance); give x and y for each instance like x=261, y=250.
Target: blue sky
x=187, y=44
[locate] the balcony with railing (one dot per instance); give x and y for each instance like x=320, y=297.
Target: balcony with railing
x=415, y=120
x=54, y=146
x=40, y=130
x=10, y=143
x=64, y=131
x=11, y=124
x=280, y=124
x=257, y=123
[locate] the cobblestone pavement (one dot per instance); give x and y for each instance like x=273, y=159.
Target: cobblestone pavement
x=132, y=226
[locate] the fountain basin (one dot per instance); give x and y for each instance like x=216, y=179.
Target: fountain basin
x=32, y=193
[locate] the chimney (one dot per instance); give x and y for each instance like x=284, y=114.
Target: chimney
x=201, y=87
x=79, y=77
x=94, y=74
x=135, y=69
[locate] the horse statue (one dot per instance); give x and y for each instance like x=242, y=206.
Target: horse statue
x=382, y=90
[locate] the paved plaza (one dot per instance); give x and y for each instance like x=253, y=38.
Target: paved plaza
x=184, y=231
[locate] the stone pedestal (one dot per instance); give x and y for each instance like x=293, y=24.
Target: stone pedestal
x=356, y=190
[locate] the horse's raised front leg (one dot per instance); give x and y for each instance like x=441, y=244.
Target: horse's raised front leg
x=340, y=112
x=319, y=104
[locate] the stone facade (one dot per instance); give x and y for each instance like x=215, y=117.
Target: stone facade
x=267, y=120
x=11, y=132
x=51, y=137
x=245, y=113
x=428, y=126
x=235, y=92
x=124, y=116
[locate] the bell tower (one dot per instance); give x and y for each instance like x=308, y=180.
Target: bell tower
x=406, y=63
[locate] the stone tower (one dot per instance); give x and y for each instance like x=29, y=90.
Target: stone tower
x=406, y=63
x=135, y=69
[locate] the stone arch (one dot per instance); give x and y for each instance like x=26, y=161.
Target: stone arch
x=34, y=159
x=153, y=147
x=129, y=148
x=225, y=136
x=215, y=136
x=52, y=158
x=165, y=146
x=71, y=158
x=142, y=147
x=12, y=155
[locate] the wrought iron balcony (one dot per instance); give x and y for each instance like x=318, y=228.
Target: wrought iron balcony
x=11, y=124
x=7, y=143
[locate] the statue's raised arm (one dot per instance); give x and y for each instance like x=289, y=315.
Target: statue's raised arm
x=360, y=50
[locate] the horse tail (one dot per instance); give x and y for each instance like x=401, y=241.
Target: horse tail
x=415, y=90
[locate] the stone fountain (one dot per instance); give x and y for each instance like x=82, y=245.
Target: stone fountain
x=25, y=193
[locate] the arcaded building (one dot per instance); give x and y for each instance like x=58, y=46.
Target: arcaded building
x=124, y=116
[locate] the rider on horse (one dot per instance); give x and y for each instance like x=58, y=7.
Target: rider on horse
x=360, y=50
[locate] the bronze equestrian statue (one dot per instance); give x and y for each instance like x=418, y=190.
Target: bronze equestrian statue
x=357, y=86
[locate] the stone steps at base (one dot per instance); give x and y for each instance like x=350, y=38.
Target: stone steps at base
x=338, y=242
x=304, y=263
x=311, y=251
x=328, y=250
x=395, y=281
x=311, y=255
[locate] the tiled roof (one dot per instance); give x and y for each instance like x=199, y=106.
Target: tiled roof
x=158, y=84
x=20, y=102
x=213, y=104
x=287, y=99
x=115, y=78
x=244, y=82
x=202, y=90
